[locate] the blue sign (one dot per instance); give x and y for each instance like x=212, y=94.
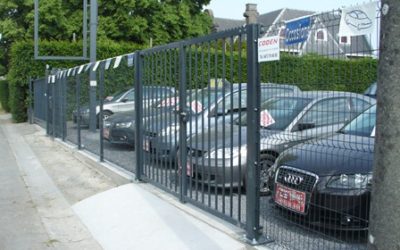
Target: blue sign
x=297, y=31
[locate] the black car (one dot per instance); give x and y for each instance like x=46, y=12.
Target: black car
x=120, y=128
x=327, y=182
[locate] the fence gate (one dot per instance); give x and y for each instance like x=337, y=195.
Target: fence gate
x=39, y=101
x=182, y=132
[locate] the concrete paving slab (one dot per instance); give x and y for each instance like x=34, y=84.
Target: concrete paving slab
x=39, y=216
x=130, y=217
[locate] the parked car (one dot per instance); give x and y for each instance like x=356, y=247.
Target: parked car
x=206, y=107
x=328, y=181
x=286, y=120
x=125, y=101
x=120, y=128
x=371, y=90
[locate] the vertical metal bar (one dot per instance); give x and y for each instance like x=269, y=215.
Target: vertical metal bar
x=64, y=107
x=78, y=108
x=30, y=113
x=253, y=137
x=36, y=29
x=53, y=105
x=84, y=29
x=182, y=120
x=138, y=115
x=47, y=88
x=101, y=97
x=92, y=74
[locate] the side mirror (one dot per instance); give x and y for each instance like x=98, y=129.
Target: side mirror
x=124, y=100
x=305, y=126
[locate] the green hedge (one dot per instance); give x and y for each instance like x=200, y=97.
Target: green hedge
x=309, y=72
x=4, y=95
x=23, y=66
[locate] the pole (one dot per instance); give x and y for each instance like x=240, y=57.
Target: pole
x=385, y=216
x=253, y=141
x=92, y=74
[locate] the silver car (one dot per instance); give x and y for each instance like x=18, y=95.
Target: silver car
x=124, y=101
x=286, y=120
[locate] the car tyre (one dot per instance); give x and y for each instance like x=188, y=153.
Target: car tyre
x=266, y=162
x=106, y=114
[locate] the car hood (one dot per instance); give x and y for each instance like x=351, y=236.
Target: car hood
x=156, y=123
x=332, y=155
x=122, y=117
x=218, y=137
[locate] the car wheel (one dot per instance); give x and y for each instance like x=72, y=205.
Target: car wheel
x=106, y=114
x=266, y=161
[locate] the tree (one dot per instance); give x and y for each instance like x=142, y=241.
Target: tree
x=119, y=20
x=385, y=216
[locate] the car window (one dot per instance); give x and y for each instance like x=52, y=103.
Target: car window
x=130, y=96
x=359, y=105
x=328, y=112
x=232, y=102
x=362, y=125
x=240, y=101
x=282, y=110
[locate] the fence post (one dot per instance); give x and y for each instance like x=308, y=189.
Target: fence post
x=138, y=83
x=47, y=86
x=101, y=94
x=78, y=108
x=253, y=234
x=30, y=113
x=53, y=105
x=182, y=122
x=64, y=105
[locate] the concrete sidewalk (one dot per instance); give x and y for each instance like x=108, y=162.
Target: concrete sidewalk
x=52, y=199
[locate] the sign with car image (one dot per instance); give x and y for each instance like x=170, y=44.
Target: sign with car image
x=358, y=20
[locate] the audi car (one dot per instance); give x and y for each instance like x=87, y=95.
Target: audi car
x=327, y=182
x=218, y=156
x=205, y=108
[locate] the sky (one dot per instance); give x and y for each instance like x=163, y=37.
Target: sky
x=234, y=8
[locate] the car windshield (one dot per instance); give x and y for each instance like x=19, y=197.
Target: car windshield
x=278, y=113
x=362, y=125
x=201, y=99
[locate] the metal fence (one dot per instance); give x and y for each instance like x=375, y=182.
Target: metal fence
x=282, y=149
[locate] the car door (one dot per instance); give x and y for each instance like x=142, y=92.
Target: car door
x=125, y=103
x=323, y=117
x=228, y=109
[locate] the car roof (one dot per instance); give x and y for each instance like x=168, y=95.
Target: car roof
x=322, y=94
x=236, y=86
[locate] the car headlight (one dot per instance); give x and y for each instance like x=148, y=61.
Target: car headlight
x=169, y=130
x=228, y=153
x=123, y=124
x=106, y=124
x=353, y=181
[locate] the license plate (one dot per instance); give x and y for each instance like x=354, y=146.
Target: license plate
x=146, y=145
x=106, y=133
x=290, y=198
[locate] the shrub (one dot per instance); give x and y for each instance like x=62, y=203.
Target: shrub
x=4, y=95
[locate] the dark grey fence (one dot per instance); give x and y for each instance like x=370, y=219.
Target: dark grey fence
x=282, y=149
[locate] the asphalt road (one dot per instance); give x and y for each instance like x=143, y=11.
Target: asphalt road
x=284, y=233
